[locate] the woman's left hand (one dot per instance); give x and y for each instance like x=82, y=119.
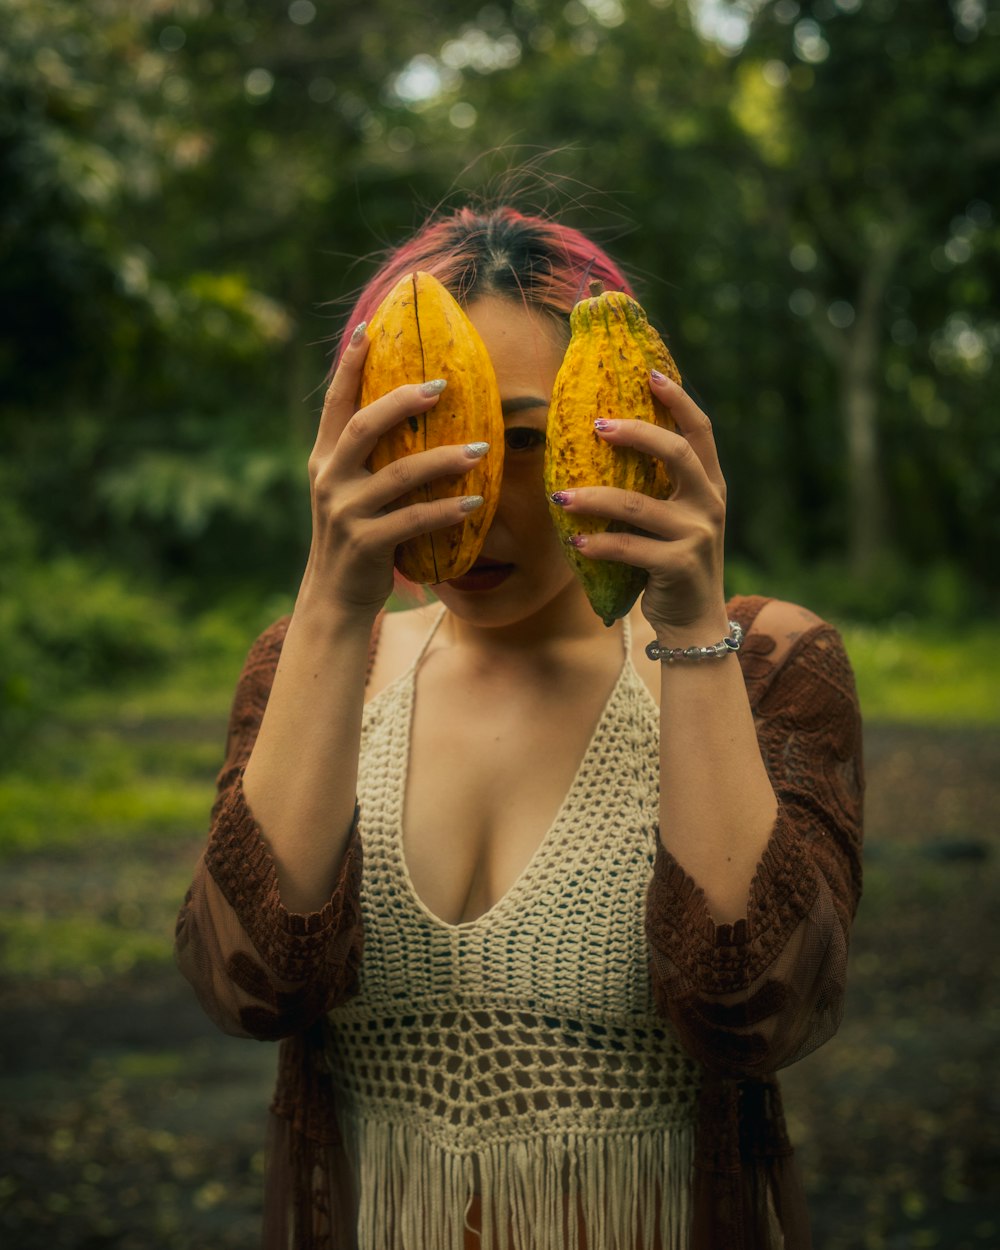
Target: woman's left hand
x=681, y=543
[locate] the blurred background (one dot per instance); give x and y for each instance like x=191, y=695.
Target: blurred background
x=191, y=192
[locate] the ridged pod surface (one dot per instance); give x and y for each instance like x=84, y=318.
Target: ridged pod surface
x=605, y=373
x=420, y=332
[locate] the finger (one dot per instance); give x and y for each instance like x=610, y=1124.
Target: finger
x=683, y=474
x=657, y=518
x=684, y=467
x=364, y=428
x=408, y=473
x=691, y=422
x=342, y=393
x=387, y=532
x=639, y=550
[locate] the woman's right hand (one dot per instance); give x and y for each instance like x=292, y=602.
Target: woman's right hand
x=355, y=528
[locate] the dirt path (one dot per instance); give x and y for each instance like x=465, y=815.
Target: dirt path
x=127, y=1121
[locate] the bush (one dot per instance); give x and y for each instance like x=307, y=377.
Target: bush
x=937, y=593
x=92, y=624
x=66, y=624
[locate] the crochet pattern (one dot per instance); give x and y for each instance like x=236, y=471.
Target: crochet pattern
x=519, y=1057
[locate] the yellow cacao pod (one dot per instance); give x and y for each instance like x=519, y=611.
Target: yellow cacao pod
x=419, y=332
x=605, y=373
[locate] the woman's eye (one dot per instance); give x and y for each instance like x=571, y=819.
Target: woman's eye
x=524, y=438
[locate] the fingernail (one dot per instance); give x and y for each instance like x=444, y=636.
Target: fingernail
x=434, y=387
x=578, y=541
x=358, y=333
x=475, y=450
x=601, y=424
x=657, y=376
x=561, y=497
x=471, y=502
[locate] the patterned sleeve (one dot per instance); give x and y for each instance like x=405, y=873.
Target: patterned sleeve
x=751, y=997
x=259, y=970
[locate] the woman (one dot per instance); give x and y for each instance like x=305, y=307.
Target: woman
x=604, y=898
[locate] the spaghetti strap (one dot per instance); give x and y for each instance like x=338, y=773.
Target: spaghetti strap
x=427, y=641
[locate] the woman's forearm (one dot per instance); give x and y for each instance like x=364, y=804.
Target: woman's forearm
x=717, y=805
x=301, y=779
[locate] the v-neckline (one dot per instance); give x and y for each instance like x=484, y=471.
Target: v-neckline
x=549, y=838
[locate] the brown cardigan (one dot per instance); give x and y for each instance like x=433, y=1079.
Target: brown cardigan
x=744, y=999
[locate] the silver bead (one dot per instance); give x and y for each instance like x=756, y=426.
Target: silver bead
x=717, y=651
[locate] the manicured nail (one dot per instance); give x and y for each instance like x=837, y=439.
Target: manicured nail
x=358, y=333
x=561, y=497
x=579, y=541
x=601, y=425
x=471, y=502
x=434, y=387
x=657, y=376
x=475, y=450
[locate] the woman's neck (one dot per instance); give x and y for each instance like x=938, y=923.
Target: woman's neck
x=564, y=627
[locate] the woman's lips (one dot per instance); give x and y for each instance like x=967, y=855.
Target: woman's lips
x=484, y=575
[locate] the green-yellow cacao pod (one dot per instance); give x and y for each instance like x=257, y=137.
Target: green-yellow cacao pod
x=605, y=373
x=419, y=332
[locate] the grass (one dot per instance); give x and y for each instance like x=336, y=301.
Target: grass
x=39, y=945
x=93, y=910
x=106, y=782
x=919, y=675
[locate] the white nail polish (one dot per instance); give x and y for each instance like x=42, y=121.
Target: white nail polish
x=475, y=450
x=471, y=502
x=434, y=387
x=358, y=333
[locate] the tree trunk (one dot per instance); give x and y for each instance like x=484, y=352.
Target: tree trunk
x=855, y=354
x=859, y=406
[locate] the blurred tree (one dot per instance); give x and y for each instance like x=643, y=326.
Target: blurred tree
x=105, y=351
x=193, y=189
x=877, y=126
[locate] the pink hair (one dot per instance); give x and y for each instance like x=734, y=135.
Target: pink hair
x=501, y=252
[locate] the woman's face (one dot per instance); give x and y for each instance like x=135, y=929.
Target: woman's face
x=526, y=348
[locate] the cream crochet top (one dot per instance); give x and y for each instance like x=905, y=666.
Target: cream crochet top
x=516, y=1060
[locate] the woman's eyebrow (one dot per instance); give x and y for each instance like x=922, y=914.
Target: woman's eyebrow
x=521, y=403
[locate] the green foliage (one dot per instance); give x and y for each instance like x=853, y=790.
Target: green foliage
x=88, y=806
x=42, y=946
x=77, y=141
x=89, y=623
x=136, y=750
x=921, y=675
x=885, y=240
x=224, y=512
x=922, y=649
x=940, y=593
x=192, y=192
x=66, y=623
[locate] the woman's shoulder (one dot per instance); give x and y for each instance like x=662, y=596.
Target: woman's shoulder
x=778, y=622
x=791, y=655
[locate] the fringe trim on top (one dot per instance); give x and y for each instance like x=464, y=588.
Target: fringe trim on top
x=610, y=1191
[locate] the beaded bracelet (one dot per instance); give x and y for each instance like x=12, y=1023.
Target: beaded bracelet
x=716, y=652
